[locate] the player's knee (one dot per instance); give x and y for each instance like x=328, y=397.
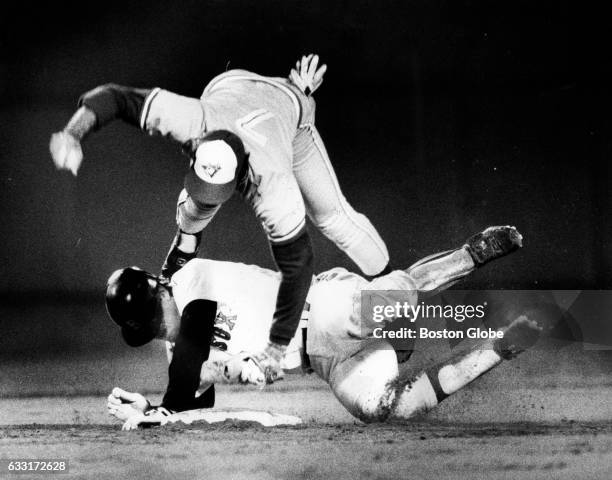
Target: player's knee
x=196, y=209
x=327, y=219
x=363, y=383
x=373, y=406
x=340, y=224
x=193, y=216
x=395, y=401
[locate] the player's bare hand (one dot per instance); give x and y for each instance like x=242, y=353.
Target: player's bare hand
x=306, y=75
x=252, y=373
x=153, y=417
x=66, y=152
x=123, y=404
x=241, y=369
x=269, y=361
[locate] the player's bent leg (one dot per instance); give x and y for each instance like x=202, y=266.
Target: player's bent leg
x=369, y=386
x=329, y=210
x=361, y=382
x=425, y=390
x=191, y=218
x=353, y=233
x=183, y=249
x=441, y=270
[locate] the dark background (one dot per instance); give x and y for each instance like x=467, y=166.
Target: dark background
x=441, y=117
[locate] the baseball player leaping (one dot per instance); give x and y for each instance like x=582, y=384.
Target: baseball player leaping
x=256, y=135
x=224, y=309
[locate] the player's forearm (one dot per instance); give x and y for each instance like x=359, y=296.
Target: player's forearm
x=191, y=350
x=295, y=261
x=110, y=102
x=82, y=122
x=96, y=108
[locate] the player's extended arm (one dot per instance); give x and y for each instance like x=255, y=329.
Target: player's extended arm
x=295, y=261
x=97, y=108
x=191, y=350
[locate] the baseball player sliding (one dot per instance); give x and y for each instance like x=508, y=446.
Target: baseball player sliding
x=256, y=135
x=224, y=309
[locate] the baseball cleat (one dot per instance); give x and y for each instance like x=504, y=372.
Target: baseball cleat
x=521, y=334
x=492, y=243
x=176, y=258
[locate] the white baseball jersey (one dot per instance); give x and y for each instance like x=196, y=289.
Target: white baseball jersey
x=246, y=298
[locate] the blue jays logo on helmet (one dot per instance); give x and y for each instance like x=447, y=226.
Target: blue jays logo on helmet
x=219, y=163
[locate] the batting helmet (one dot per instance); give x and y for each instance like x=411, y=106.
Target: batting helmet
x=131, y=301
x=219, y=163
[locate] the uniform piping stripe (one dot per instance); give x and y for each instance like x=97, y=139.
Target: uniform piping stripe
x=349, y=214
x=248, y=123
x=147, y=106
x=255, y=115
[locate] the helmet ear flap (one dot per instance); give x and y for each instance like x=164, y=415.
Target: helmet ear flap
x=132, y=303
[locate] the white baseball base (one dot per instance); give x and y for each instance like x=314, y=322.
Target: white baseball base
x=210, y=416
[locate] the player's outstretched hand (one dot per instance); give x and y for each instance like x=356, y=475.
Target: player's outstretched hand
x=124, y=405
x=241, y=369
x=153, y=417
x=269, y=361
x=306, y=76
x=66, y=152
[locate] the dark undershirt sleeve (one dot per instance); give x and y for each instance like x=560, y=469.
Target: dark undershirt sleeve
x=191, y=350
x=295, y=261
x=111, y=101
x=206, y=400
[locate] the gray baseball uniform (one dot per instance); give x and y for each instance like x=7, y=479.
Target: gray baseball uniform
x=290, y=172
